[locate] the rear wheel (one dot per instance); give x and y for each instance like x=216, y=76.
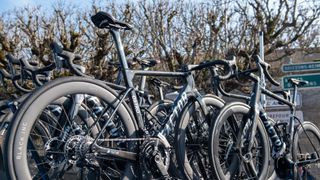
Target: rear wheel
x=43, y=145
x=306, y=146
x=156, y=115
x=229, y=154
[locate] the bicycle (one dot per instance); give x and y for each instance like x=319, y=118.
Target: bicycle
x=232, y=144
x=10, y=106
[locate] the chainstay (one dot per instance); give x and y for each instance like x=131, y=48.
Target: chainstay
x=126, y=139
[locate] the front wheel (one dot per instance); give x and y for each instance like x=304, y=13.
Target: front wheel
x=191, y=139
x=229, y=154
x=306, y=146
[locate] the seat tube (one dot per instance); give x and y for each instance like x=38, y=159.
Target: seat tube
x=293, y=113
x=128, y=78
x=123, y=62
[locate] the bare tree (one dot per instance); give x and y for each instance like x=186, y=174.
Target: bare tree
x=176, y=32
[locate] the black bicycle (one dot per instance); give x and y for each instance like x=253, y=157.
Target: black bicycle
x=239, y=144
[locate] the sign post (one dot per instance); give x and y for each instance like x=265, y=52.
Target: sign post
x=263, y=79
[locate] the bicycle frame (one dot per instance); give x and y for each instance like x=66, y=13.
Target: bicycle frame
x=186, y=93
x=257, y=110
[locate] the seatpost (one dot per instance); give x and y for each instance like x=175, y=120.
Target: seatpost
x=161, y=92
x=123, y=62
x=143, y=79
x=142, y=85
x=119, y=76
x=295, y=92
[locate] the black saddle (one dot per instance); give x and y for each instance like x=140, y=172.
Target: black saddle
x=147, y=62
x=298, y=82
x=105, y=20
x=157, y=82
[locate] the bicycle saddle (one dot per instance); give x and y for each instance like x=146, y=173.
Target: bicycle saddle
x=147, y=62
x=106, y=20
x=298, y=82
x=158, y=82
x=117, y=64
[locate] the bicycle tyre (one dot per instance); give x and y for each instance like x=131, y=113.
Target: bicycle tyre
x=218, y=139
x=6, y=119
x=156, y=114
x=28, y=113
x=190, y=167
x=302, y=150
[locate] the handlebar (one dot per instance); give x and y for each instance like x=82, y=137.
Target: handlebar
x=28, y=70
x=265, y=66
x=69, y=57
x=228, y=66
x=36, y=71
x=12, y=60
x=5, y=74
x=74, y=68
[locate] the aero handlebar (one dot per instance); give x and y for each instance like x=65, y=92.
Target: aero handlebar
x=265, y=66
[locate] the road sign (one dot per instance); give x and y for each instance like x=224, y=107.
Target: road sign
x=284, y=116
x=313, y=80
x=275, y=104
x=301, y=67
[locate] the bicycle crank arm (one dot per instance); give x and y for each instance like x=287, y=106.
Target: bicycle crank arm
x=162, y=168
x=115, y=153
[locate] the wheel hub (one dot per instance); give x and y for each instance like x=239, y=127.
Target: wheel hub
x=52, y=146
x=77, y=147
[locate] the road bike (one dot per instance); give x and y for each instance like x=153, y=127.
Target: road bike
x=243, y=131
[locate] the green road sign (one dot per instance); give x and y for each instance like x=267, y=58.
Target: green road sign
x=301, y=67
x=313, y=80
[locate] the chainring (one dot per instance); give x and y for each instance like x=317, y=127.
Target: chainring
x=150, y=151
